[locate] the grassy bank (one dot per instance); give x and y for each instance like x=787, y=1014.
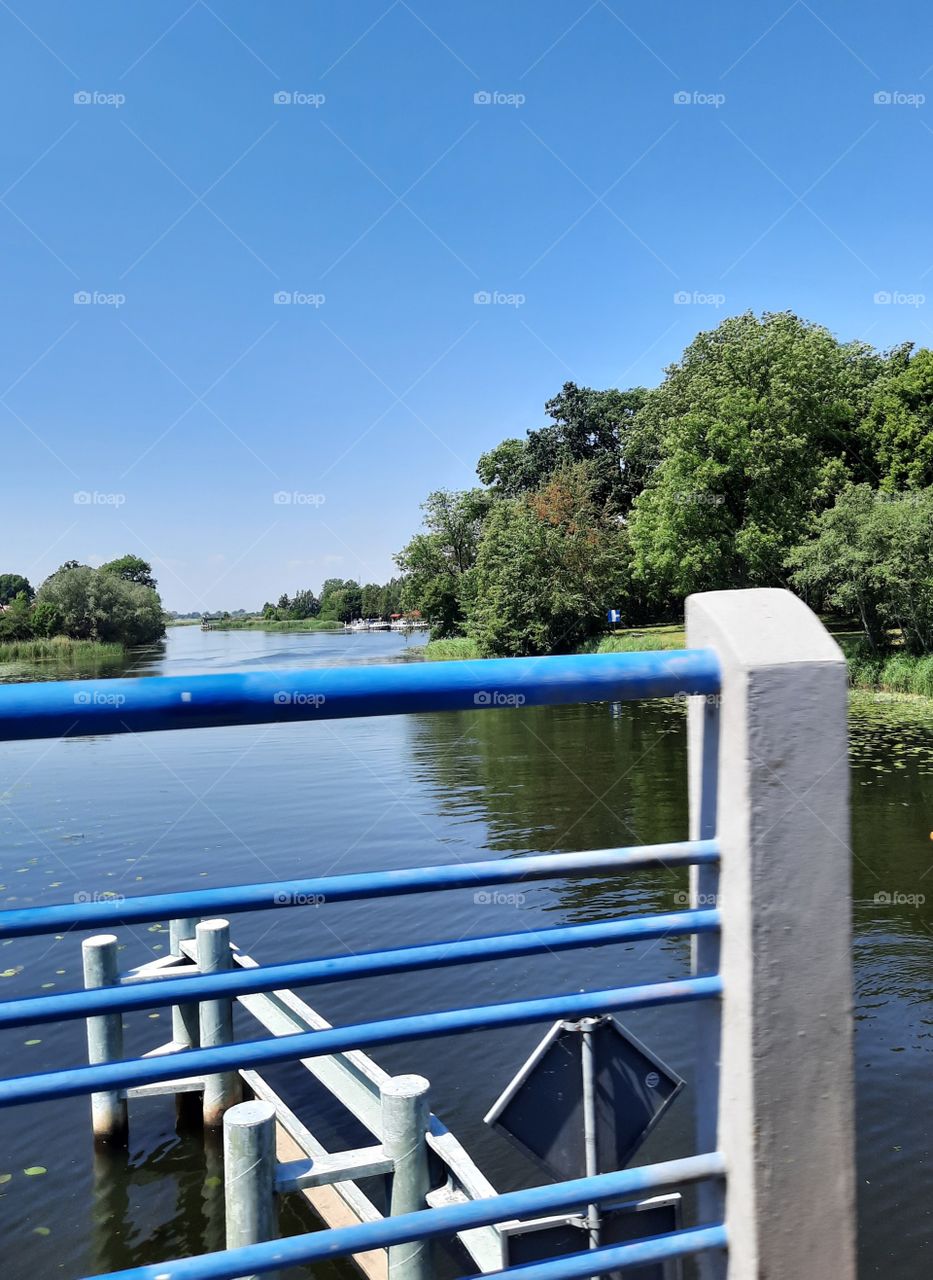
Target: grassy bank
x=664, y=636
x=891, y=672
x=57, y=648
x=269, y=624
x=447, y=650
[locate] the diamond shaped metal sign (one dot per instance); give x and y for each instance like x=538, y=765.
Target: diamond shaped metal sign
x=542, y=1109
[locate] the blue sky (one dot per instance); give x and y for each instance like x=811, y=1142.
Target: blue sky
x=613, y=177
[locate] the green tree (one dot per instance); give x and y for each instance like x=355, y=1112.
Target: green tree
x=46, y=620
x=131, y=569
x=436, y=562
x=16, y=619
x=11, y=585
x=598, y=427
x=550, y=564
x=94, y=604
x=898, y=425
x=757, y=427
x=305, y=604
x=872, y=558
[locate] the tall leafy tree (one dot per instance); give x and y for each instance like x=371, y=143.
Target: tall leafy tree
x=872, y=557
x=549, y=565
x=757, y=430
x=12, y=585
x=131, y=569
x=435, y=563
x=599, y=427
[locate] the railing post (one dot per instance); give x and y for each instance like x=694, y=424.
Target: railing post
x=185, y=1028
x=786, y=1114
x=105, y=1036
x=249, y=1173
x=404, y=1127
x=216, y=1019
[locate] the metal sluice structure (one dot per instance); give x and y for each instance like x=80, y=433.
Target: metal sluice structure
x=767, y=702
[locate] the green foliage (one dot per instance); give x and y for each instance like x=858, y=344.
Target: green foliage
x=599, y=427
x=548, y=567
x=898, y=426
x=757, y=429
x=96, y=604
x=436, y=563
x=11, y=584
x=131, y=569
x=872, y=557
x=726, y=475
x=454, y=648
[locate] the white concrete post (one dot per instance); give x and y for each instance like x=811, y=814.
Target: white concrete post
x=249, y=1173
x=216, y=1019
x=105, y=1036
x=786, y=1110
x=404, y=1126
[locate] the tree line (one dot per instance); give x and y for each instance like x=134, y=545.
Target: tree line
x=771, y=454
x=341, y=600
x=115, y=603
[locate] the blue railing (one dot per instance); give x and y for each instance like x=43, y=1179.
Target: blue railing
x=77, y=708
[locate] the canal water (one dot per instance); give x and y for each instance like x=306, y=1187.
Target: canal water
x=151, y=813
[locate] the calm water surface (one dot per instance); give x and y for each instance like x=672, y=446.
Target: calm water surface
x=166, y=812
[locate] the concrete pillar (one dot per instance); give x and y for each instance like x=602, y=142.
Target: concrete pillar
x=105, y=1036
x=786, y=1112
x=404, y=1126
x=216, y=1019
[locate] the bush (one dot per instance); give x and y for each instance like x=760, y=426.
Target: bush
x=93, y=604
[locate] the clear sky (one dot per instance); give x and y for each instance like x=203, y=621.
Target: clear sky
x=613, y=176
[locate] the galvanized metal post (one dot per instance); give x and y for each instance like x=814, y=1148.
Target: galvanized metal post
x=249, y=1173
x=185, y=1023
x=405, y=1115
x=216, y=1019
x=588, y=1065
x=786, y=1117
x=105, y=1036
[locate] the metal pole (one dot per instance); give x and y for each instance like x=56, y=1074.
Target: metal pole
x=105, y=1036
x=185, y=1028
x=216, y=1019
x=588, y=1063
x=404, y=1125
x=249, y=1173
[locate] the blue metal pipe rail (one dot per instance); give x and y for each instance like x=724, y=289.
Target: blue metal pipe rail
x=533, y=1202
x=19, y=922
x=76, y=708
x=81, y=708
x=146, y=994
